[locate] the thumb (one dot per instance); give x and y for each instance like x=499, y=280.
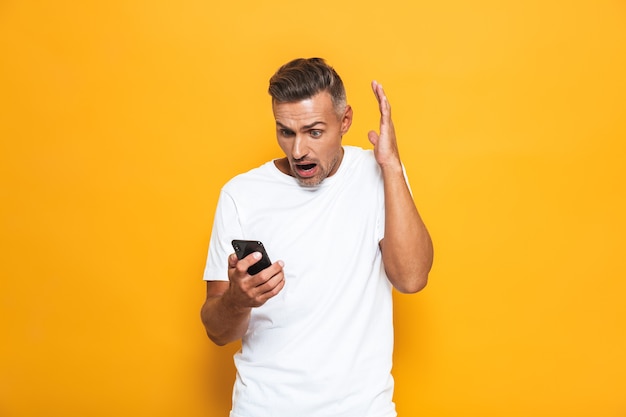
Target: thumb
x=373, y=137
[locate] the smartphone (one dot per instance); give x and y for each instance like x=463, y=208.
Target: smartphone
x=244, y=248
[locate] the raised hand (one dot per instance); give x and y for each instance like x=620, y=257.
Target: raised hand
x=385, y=145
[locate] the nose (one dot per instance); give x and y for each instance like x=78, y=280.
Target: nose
x=299, y=150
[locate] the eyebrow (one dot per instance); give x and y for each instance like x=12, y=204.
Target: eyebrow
x=306, y=127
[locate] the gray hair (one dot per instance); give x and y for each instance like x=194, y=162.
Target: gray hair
x=303, y=78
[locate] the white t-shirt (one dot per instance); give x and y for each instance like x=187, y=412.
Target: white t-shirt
x=323, y=346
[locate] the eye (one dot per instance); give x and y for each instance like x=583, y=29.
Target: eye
x=315, y=133
x=286, y=133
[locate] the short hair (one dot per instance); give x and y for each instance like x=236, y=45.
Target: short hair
x=303, y=78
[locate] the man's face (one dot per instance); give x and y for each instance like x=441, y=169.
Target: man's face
x=309, y=132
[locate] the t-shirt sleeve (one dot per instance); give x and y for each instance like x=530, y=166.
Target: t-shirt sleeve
x=226, y=227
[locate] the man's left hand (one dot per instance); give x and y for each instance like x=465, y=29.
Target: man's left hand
x=385, y=145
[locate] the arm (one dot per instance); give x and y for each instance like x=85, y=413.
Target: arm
x=406, y=247
x=226, y=310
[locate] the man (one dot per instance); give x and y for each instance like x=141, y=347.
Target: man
x=316, y=326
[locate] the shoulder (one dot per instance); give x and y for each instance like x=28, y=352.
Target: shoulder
x=260, y=184
x=357, y=158
x=253, y=177
x=359, y=155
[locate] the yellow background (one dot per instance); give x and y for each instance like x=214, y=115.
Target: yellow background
x=120, y=121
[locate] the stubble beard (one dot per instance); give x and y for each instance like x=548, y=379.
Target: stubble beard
x=321, y=176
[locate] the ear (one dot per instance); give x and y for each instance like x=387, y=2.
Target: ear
x=346, y=120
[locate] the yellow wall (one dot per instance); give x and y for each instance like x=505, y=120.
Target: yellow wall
x=120, y=120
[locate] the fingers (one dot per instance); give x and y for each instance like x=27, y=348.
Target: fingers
x=272, y=286
x=254, y=290
x=244, y=263
x=384, y=141
x=383, y=103
x=377, y=88
x=266, y=284
x=385, y=112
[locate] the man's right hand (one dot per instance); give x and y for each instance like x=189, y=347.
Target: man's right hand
x=248, y=291
x=226, y=310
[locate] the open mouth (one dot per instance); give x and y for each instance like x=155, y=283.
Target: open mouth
x=305, y=167
x=305, y=170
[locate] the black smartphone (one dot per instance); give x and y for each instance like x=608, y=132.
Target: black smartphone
x=244, y=248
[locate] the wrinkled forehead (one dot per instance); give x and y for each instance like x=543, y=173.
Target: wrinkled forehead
x=318, y=107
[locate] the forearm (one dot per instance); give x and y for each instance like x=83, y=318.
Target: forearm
x=407, y=248
x=223, y=322
x=226, y=311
